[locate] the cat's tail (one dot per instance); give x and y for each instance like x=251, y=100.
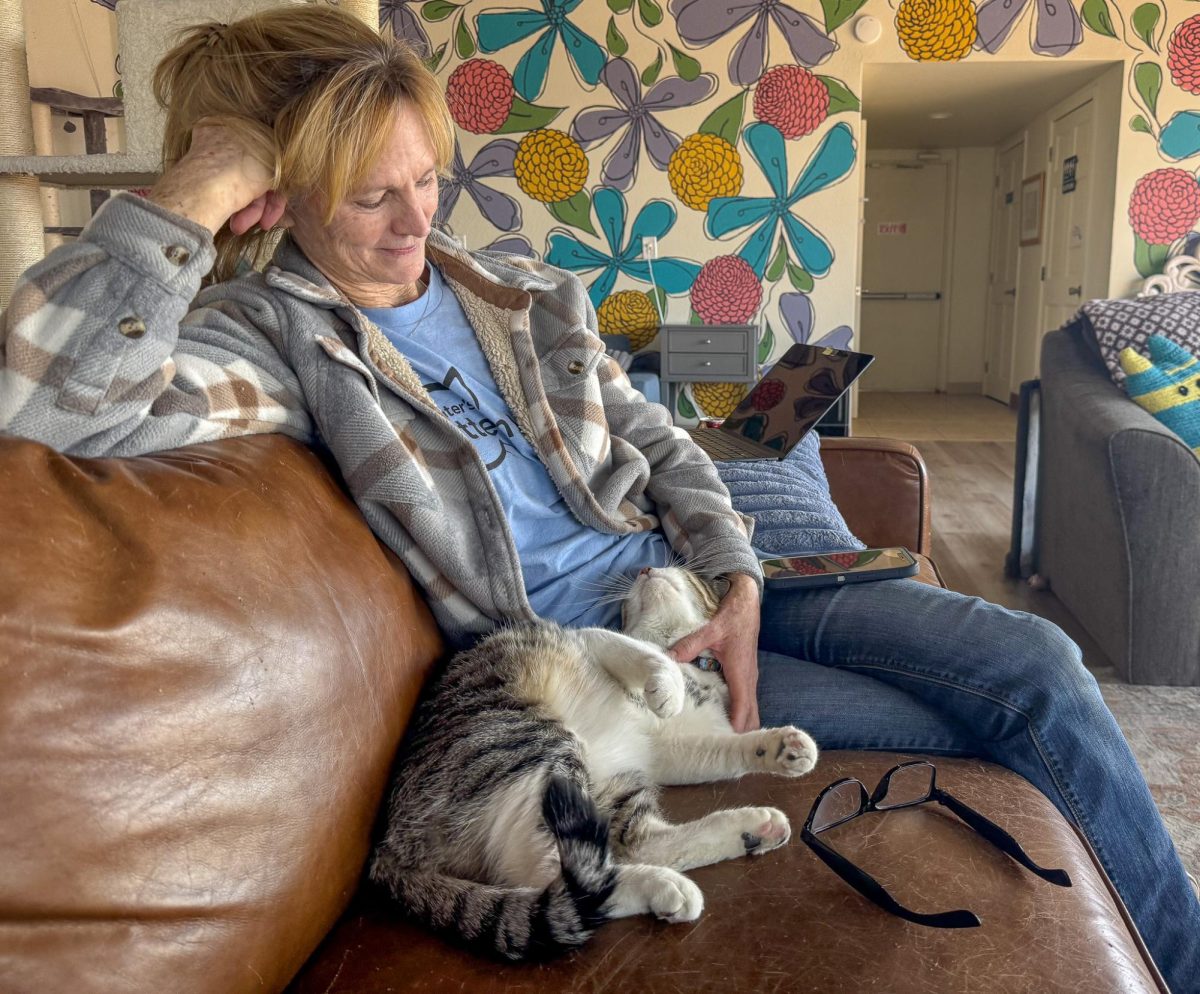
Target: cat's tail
x=523, y=922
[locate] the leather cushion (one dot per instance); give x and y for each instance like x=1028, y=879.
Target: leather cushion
x=207, y=661
x=784, y=922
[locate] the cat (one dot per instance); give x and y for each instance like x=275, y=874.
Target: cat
x=524, y=809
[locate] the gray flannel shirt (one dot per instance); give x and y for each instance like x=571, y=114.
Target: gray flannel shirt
x=108, y=349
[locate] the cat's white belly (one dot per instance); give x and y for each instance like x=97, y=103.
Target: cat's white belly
x=615, y=733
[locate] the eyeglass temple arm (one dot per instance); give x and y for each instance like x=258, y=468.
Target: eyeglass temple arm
x=999, y=837
x=871, y=889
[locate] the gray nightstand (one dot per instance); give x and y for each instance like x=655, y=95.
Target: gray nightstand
x=699, y=353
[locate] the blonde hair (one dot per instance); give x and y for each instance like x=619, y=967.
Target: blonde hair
x=312, y=88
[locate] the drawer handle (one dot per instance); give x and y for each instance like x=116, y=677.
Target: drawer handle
x=707, y=341
x=706, y=364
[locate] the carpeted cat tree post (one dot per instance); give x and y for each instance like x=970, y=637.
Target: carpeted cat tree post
x=146, y=29
x=21, y=243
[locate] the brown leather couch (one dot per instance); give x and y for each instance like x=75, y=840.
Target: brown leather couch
x=206, y=661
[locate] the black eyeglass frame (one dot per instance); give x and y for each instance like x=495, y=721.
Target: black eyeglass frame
x=871, y=889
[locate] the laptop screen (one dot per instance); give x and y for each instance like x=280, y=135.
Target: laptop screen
x=794, y=395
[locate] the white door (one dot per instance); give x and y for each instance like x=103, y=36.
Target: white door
x=1070, y=215
x=1002, y=289
x=903, y=243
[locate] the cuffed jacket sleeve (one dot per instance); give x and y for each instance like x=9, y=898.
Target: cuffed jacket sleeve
x=100, y=356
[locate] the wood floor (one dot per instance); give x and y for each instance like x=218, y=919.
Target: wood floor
x=969, y=446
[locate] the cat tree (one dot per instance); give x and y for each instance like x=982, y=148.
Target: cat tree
x=146, y=29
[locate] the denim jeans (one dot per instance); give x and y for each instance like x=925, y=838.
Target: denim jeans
x=905, y=666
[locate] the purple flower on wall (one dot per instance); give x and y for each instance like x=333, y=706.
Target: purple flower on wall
x=636, y=115
x=796, y=309
x=702, y=22
x=405, y=24
x=1056, y=30
x=512, y=245
x=494, y=159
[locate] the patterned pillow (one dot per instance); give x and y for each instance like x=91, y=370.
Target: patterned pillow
x=1121, y=324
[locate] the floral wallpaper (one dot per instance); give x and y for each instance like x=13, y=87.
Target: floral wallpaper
x=588, y=126
x=715, y=126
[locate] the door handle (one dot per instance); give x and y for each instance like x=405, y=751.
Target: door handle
x=1075, y=291
x=1011, y=293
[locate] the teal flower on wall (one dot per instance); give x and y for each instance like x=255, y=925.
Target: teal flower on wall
x=499, y=29
x=831, y=162
x=672, y=276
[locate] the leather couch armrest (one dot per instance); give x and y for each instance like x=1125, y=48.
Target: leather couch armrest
x=881, y=487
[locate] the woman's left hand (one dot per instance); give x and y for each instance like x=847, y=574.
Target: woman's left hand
x=732, y=637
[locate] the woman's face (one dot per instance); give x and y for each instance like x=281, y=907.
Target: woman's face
x=374, y=248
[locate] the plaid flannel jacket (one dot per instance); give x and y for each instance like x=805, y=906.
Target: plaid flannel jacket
x=106, y=349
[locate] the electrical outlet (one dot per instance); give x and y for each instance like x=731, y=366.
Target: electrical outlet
x=649, y=247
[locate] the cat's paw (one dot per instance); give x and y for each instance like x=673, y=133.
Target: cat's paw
x=674, y=898
x=772, y=831
x=665, y=690
x=787, y=751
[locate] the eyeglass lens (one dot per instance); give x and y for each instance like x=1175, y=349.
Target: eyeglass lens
x=907, y=785
x=838, y=804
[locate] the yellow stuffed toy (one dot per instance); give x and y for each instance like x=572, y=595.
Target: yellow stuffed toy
x=1167, y=385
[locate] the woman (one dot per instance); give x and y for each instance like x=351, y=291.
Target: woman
x=485, y=435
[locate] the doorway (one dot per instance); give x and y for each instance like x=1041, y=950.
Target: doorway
x=982, y=336
x=904, y=241
x=1070, y=214
x=1002, y=284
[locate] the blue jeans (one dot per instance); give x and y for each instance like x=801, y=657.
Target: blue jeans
x=905, y=666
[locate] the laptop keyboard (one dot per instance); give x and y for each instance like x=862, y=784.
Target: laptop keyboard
x=721, y=445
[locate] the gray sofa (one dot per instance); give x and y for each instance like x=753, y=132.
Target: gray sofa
x=1118, y=517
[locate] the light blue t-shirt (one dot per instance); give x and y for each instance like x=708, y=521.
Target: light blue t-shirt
x=568, y=567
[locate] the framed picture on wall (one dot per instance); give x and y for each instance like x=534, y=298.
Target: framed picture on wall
x=1032, y=195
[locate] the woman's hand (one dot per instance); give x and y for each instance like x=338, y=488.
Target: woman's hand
x=732, y=637
x=223, y=177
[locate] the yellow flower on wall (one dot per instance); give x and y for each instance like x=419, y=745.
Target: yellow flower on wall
x=936, y=30
x=704, y=166
x=550, y=166
x=629, y=312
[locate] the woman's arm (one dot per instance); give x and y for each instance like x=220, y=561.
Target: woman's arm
x=99, y=355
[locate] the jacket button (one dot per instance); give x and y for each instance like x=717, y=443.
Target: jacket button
x=132, y=327
x=177, y=254
x=575, y=366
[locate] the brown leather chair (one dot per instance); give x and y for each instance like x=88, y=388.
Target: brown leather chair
x=206, y=663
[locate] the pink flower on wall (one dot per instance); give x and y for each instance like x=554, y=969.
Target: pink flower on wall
x=727, y=291
x=1164, y=206
x=1183, y=55
x=793, y=99
x=480, y=94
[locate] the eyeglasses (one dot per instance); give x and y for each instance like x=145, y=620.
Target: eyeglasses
x=904, y=786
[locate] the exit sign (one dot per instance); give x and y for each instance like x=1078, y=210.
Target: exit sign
x=893, y=227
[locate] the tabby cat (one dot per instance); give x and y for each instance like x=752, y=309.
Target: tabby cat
x=524, y=811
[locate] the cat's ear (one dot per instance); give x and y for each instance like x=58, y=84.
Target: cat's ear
x=1164, y=352
x=1133, y=362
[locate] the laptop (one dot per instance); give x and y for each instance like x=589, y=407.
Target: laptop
x=792, y=396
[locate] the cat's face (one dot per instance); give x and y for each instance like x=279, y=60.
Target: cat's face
x=666, y=603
